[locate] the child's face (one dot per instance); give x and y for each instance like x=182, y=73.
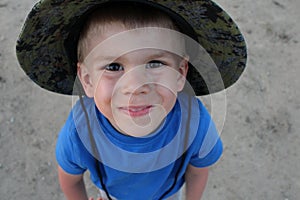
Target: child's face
x=133, y=77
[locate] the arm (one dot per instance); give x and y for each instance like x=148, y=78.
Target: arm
x=72, y=185
x=196, y=179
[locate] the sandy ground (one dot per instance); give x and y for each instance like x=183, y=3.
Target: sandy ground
x=261, y=160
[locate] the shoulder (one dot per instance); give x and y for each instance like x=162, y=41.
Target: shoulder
x=193, y=108
x=75, y=120
x=207, y=146
x=69, y=149
x=68, y=131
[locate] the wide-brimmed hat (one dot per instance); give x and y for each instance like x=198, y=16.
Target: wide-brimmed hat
x=46, y=48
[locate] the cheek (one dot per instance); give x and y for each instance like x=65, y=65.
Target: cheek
x=168, y=82
x=103, y=95
x=168, y=97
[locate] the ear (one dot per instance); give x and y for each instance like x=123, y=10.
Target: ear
x=183, y=69
x=85, y=79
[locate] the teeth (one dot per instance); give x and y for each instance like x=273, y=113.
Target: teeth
x=136, y=109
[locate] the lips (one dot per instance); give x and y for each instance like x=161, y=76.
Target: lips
x=136, y=111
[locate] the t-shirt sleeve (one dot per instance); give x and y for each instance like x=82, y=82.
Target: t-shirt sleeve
x=67, y=149
x=209, y=145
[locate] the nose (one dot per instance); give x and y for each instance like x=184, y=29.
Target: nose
x=136, y=81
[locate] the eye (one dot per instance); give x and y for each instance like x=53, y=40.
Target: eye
x=154, y=64
x=114, y=67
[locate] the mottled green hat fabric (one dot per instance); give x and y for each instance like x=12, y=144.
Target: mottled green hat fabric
x=47, y=45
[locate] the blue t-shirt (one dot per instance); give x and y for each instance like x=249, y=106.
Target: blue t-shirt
x=139, y=168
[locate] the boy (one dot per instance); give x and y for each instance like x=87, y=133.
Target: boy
x=139, y=132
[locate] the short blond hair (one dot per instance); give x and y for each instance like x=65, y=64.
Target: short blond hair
x=131, y=15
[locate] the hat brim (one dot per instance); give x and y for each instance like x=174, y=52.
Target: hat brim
x=46, y=48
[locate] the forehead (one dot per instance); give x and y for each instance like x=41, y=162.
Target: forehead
x=116, y=40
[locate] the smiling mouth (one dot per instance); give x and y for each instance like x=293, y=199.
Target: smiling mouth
x=136, y=111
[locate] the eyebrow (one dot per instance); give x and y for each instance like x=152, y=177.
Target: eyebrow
x=157, y=53
x=163, y=53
